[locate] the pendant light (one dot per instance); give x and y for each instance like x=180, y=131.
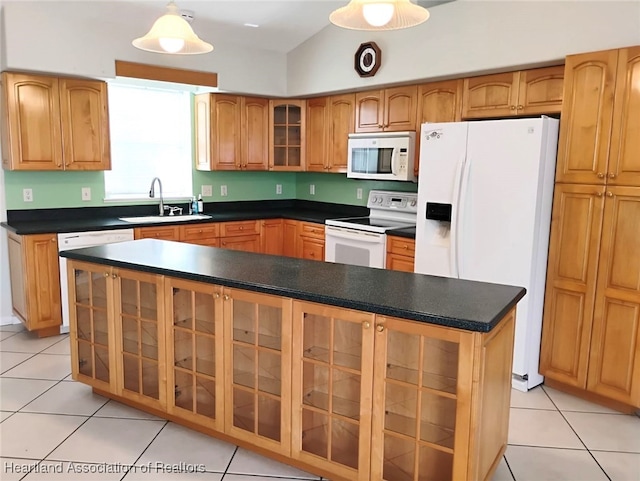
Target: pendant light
x=379, y=15
x=172, y=34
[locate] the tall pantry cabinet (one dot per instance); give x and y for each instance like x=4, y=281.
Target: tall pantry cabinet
x=591, y=328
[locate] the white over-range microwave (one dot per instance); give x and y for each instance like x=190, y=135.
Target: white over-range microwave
x=382, y=156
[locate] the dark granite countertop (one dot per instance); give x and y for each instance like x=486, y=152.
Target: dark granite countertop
x=468, y=305
x=45, y=221
x=408, y=232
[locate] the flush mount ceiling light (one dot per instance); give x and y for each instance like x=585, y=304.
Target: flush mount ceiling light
x=171, y=33
x=379, y=15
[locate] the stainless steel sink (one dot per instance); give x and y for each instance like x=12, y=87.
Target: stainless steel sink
x=153, y=219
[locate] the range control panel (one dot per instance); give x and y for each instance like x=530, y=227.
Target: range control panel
x=393, y=201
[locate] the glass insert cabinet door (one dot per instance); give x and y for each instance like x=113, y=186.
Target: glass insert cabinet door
x=418, y=388
x=195, y=352
x=140, y=335
x=89, y=314
x=287, y=134
x=332, y=369
x=258, y=369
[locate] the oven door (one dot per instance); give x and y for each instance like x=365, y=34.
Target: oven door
x=355, y=247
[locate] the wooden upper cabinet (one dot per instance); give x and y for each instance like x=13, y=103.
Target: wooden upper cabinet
x=585, y=130
x=217, y=132
x=255, y=133
x=614, y=363
x=317, y=134
x=55, y=123
x=341, y=124
x=540, y=91
x=526, y=92
x=624, y=156
x=392, y=109
x=576, y=225
x=439, y=102
x=490, y=95
x=287, y=119
x=85, y=124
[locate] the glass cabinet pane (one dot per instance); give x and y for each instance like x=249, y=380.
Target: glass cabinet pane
x=294, y=114
x=403, y=351
x=399, y=459
x=194, y=351
x=257, y=366
x=98, y=289
x=82, y=287
x=331, y=387
x=440, y=365
x=280, y=114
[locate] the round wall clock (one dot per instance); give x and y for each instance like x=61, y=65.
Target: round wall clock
x=367, y=59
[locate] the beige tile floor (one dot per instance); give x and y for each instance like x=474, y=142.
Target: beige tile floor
x=49, y=419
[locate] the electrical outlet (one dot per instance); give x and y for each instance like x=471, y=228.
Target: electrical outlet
x=223, y=190
x=86, y=193
x=278, y=189
x=27, y=195
x=207, y=191
x=312, y=189
x=359, y=193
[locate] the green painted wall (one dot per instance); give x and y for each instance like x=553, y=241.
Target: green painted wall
x=64, y=189
x=338, y=189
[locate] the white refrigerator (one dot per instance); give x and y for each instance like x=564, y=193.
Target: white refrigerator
x=485, y=191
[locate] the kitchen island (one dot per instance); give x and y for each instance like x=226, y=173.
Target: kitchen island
x=348, y=372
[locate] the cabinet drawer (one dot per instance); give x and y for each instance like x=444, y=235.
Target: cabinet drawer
x=310, y=229
x=312, y=249
x=401, y=246
x=166, y=233
x=200, y=231
x=245, y=227
x=209, y=242
x=247, y=243
x=397, y=262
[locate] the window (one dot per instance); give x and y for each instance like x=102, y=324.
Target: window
x=150, y=137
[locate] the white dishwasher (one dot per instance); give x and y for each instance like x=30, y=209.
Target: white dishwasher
x=76, y=240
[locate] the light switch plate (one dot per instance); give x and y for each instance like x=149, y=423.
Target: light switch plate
x=223, y=190
x=207, y=191
x=278, y=189
x=86, y=193
x=359, y=193
x=312, y=189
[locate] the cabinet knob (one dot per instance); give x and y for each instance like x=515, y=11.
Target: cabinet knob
x=609, y=194
x=513, y=107
x=612, y=175
x=106, y=274
x=199, y=231
x=520, y=107
x=600, y=175
x=405, y=247
x=114, y=276
x=241, y=228
x=366, y=324
x=226, y=297
x=312, y=254
x=598, y=194
x=216, y=295
x=380, y=327
x=224, y=243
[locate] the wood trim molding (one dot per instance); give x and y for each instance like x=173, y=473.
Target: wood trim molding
x=165, y=74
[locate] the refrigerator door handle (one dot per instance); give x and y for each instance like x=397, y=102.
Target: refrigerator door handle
x=453, y=251
x=464, y=187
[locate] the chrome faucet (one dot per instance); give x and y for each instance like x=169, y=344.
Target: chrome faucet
x=152, y=193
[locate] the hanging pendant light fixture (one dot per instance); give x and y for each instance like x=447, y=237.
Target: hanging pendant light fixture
x=379, y=15
x=172, y=34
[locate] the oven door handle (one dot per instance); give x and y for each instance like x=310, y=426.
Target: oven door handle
x=356, y=235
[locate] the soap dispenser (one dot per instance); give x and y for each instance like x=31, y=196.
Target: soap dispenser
x=193, y=207
x=200, y=204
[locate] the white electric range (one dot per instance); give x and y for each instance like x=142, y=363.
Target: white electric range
x=362, y=241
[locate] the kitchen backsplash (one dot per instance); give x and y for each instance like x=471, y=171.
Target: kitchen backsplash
x=64, y=189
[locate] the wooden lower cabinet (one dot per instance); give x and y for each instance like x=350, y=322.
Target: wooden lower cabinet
x=346, y=394
x=271, y=236
x=591, y=328
x=310, y=242
x=400, y=253
x=195, y=351
x=258, y=373
x=290, y=238
x=35, y=281
x=331, y=395
x=166, y=232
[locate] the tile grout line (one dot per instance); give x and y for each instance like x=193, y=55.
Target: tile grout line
x=578, y=436
x=146, y=447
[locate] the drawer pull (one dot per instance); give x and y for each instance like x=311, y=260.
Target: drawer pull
x=379, y=327
x=366, y=324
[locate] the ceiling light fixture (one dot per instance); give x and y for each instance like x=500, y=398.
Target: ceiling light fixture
x=172, y=34
x=379, y=15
